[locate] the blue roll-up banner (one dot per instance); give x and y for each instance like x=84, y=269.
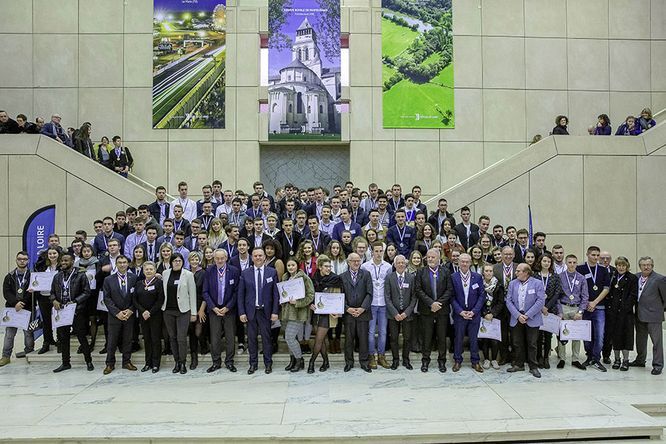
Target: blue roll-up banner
x=36, y=232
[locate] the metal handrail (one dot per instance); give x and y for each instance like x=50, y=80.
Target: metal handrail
x=146, y=185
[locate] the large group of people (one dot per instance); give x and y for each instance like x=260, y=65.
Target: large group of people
x=200, y=276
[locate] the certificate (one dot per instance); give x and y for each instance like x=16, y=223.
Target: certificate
x=90, y=274
x=101, y=306
x=41, y=281
x=63, y=317
x=551, y=324
x=291, y=289
x=575, y=330
x=490, y=329
x=329, y=303
x=17, y=319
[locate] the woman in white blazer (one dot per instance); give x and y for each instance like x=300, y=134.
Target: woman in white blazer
x=180, y=308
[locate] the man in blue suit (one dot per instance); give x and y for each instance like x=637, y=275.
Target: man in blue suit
x=525, y=299
x=220, y=293
x=401, y=234
x=346, y=224
x=468, y=298
x=258, y=305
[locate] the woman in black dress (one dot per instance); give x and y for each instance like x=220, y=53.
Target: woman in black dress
x=197, y=329
x=492, y=308
x=620, y=306
x=324, y=280
x=148, y=298
x=553, y=287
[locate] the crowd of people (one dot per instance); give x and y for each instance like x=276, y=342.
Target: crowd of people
x=194, y=276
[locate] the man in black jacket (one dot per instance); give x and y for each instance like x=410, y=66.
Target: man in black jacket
x=15, y=291
x=70, y=286
x=357, y=284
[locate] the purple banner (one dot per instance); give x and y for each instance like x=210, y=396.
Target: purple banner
x=36, y=232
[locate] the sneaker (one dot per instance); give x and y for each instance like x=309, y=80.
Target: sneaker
x=486, y=364
x=241, y=349
x=598, y=365
x=495, y=364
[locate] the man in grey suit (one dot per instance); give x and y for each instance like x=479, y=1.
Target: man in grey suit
x=504, y=272
x=650, y=315
x=357, y=284
x=400, y=303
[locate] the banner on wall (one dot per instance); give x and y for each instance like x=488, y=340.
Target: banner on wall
x=304, y=70
x=189, y=50
x=417, y=64
x=36, y=232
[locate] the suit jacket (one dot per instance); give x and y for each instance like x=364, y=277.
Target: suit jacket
x=52, y=130
x=10, y=288
x=498, y=272
x=434, y=220
x=123, y=160
x=534, y=302
x=183, y=225
x=392, y=293
x=252, y=238
x=231, y=280
x=359, y=295
x=476, y=296
x=154, y=210
x=187, y=291
x=114, y=299
x=324, y=240
x=354, y=228
x=156, y=250
x=519, y=257
x=652, y=300
x=286, y=248
x=359, y=216
x=269, y=296
x=100, y=246
x=427, y=297
x=79, y=289
x=408, y=240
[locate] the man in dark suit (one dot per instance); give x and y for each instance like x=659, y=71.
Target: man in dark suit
x=258, y=236
x=258, y=306
x=319, y=239
x=434, y=289
x=650, y=315
x=71, y=286
x=605, y=259
x=504, y=272
x=346, y=224
x=120, y=157
x=438, y=216
x=520, y=248
x=151, y=245
x=400, y=302
x=101, y=241
x=220, y=293
x=401, y=234
x=468, y=299
x=118, y=290
x=289, y=240
x=160, y=208
x=357, y=285
x=468, y=233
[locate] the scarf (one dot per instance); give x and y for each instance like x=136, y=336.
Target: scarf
x=321, y=283
x=490, y=286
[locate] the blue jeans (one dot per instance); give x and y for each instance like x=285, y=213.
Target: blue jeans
x=593, y=347
x=378, y=318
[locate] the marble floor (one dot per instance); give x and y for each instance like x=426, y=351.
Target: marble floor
x=384, y=406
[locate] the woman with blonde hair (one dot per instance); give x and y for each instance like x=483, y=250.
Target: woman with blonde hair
x=294, y=314
x=216, y=234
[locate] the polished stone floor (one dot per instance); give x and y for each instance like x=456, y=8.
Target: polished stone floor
x=384, y=406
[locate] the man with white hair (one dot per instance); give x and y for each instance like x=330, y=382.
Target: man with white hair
x=400, y=302
x=468, y=298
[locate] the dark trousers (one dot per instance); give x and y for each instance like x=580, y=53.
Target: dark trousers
x=45, y=306
x=504, y=351
x=543, y=344
x=654, y=330
x=407, y=327
x=524, y=341
x=261, y=324
x=240, y=331
x=152, y=338
x=356, y=330
x=464, y=327
x=177, y=324
x=218, y=324
x=79, y=328
x=438, y=325
x=490, y=349
x=120, y=332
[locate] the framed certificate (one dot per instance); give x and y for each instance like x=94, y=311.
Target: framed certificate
x=41, y=281
x=17, y=319
x=551, y=324
x=329, y=303
x=490, y=329
x=63, y=317
x=575, y=330
x=291, y=289
x=101, y=306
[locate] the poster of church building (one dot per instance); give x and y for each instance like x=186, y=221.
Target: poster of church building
x=304, y=70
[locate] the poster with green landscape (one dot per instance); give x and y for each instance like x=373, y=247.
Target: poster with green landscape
x=417, y=64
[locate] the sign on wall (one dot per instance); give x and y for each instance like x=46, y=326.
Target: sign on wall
x=417, y=64
x=304, y=70
x=189, y=50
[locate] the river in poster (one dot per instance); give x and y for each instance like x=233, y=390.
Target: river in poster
x=189, y=50
x=304, y=70
x=417, y=64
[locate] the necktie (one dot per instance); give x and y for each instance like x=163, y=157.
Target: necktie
x=353, y=276
x=150, y=252
x=400, y=281
x=433, y=283
x=260, y=284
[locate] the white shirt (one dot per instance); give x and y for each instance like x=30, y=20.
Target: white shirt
x=224, y=209
x=189, y=208
x=466, y=287
x=378, y=274
x=559, y=269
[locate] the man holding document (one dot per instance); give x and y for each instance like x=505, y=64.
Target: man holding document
x=70, y=286
x=573, y=304
x=15, y=291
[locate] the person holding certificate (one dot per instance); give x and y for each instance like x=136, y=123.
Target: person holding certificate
x=90, y=265
x=325, y=281
x=572, y=306
x=621, y=302
x=295, y=313
x=15, y=292
x=51, y=265
x=544, y=270
x=524, y=300
x=70, y=286
x=493, y=308
x=357, y=285
x=148, y=298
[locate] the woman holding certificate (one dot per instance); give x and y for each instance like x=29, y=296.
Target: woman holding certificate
x=90, y=265
x=52, y=265
x=493, y=308
x=324, y=281
x=553, y=286
x=295, y=314
x=620, y=303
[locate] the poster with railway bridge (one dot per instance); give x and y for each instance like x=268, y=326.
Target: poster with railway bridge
x=189, y=50
x=417, y=64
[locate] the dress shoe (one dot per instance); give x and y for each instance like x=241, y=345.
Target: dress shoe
x=311, y=365
x=578, y=365
x=103, y=351
x=381, y=360
x=477, y=367
x=456, y=367
x=155, y=369
x=655, y=371
x=23, y=354
x=108, y=369
x=394, y=365
x=62, y=368
x=194, y=361
x=616, y=364
x=515, y=368
x=135, y=347
x=231, y=368
x=407, y=365
x=252, y=369
x=635, y=363
x=45, y=348
x=166, y=351
x=561, y=363
x=176, y=367
x=129, y=366
x=366, y=368
x=292, y=361
x=145, y=368
x=606, y=360
x=372, y=362
x=324, y=365
x=90, y=366
x=535, y=372
x=298, y=365
x=546, y=363
x=4, y=361
x=213, y=368
x=540, y=363
x=624, y=366
x=442, y=367
x=183, y=368
x=269, y=369
x=424, y=367
x=348, y=367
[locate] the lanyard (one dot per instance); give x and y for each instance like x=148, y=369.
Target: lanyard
x=147, y=284
x=65, y=283
x=290, y=242
x=230, y=249
x=401, y=235
x=221, y=272
x=545, y=282
x=316, y=243
x=22, y=280
x=378, y=271
x=594, y=275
